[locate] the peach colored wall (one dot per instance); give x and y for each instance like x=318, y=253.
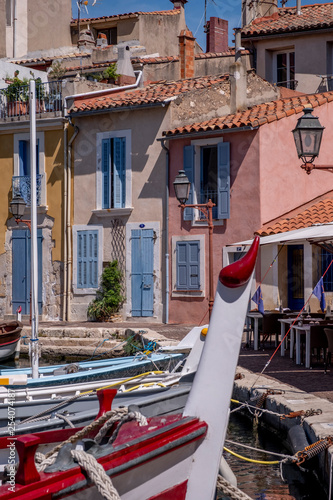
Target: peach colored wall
x=284, y=186
x=244, y=216
x=266, y=182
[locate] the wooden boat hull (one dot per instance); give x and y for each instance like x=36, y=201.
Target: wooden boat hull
x=10, y=334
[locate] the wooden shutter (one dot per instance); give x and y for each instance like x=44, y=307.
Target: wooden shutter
x=223, y=180
x=106, y=162
x=119, y=172
x=87, y=259
x=188, y=265
x=189, y=152
x=24, y=158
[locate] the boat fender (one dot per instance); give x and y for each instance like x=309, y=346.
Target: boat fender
x=297, y=438
x=227, y=473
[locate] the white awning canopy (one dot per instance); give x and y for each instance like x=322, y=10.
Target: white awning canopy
x=314, y=234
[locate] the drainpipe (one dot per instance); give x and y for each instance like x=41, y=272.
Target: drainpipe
x=103, y=92
x=14, y=29
x=64, y=299
x=299, y=7
x=167, y=261
x=68, y=235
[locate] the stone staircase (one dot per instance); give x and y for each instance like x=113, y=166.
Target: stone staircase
x=66, y=343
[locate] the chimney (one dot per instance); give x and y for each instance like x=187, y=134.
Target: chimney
x=217, y=35
x=257, y=8
x=178, y=4
x=186, y=54
x=299, y=7
x=124, y=65
x=238, y=80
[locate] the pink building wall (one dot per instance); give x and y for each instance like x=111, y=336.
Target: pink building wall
x=266, y=182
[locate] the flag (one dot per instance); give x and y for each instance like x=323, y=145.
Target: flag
x=319, y=292
x=257, y=298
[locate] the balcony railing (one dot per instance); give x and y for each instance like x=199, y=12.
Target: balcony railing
x=289, y=84
x=22, y=187
x=205, y=196
x=16, y=105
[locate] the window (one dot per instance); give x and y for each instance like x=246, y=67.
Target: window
x=21, y=177
x=111, y=35
x=188, y=265
x=325, y=260
x=285, y=69
x=113, y=170
x=207, y=165
x=88, y=258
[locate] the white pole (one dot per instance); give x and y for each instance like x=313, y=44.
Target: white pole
x=34, y=255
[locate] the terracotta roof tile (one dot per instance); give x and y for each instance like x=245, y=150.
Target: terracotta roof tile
x=319, y=213
x=151, y=94
x=317, y=16
x=171, y=12
x=258, y=115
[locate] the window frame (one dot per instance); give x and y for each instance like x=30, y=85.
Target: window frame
x=198, y=144
x=175, y=292
x=100, y=137
x=76, y=229
x=275, y=69
x=40, y=161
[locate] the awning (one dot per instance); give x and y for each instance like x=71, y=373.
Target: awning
x=320, y=234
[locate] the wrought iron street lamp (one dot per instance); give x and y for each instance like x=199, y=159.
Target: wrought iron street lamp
x=17, y=208
x=307, y=136
x=182, y=187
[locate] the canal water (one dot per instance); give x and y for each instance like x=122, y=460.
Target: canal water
x=264, y=482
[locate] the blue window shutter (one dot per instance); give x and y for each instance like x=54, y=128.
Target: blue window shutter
x=106, y=173
x=87, y=259
x=223, y=181
x=119, y=172
x=24, y=158
x=189, y=171
x=188, y=265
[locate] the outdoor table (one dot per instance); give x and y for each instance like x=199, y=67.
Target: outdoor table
x=256, y=315
x=306, y=328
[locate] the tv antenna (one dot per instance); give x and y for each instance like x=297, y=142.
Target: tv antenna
x=206, y=1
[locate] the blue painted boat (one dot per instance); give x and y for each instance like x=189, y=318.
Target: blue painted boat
x=98, y=370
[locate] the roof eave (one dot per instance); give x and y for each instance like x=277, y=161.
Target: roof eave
x=208, y=132
x=117, y=109
x=300, y=32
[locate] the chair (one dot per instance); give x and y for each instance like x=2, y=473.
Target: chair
x=318, y=340
x=271, y=326
x=329, y=336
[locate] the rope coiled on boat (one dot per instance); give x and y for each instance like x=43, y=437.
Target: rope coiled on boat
x=225, y=487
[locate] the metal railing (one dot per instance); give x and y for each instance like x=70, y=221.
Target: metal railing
x=289, y=84
x=21, y=186
x=14, y=102
x=206, y=195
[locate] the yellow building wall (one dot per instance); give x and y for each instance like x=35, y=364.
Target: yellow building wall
x=6, y=172
x=54, y=169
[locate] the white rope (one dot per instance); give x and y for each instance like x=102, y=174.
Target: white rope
x=97, y=474
x=233, y=492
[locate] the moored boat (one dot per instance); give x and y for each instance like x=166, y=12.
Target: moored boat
x=10, y=335
x=166, y=458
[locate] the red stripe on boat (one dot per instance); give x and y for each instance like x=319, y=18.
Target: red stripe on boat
x=178, y=492
x=238, y=273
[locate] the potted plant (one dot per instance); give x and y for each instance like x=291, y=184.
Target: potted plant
x=17, y=93
x=109, y=297
x=110, y=73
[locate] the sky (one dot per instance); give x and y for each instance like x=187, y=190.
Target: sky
x=194, y=11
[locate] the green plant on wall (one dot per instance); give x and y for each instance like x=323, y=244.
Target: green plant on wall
x=17, y=89
x=57, y=71
x=111, y=72
x=109, y=297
